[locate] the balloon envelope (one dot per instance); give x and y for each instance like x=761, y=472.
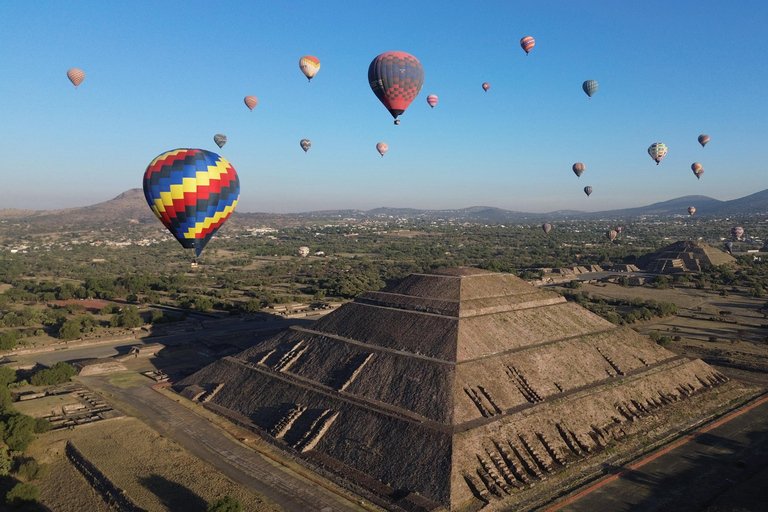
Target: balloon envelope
x=691, y=210
x=547, y=227
x=589, y=87
x=382, y=148
x=309, y=65
x=220, y=139
x=527, y=43
x=250, y=102
x=657, y=150
x=303, y=251
x=486, y=86
x=193, y=192
x=729, y=247
x=703, y=139
x=432, y=100
x=578, y=168
x=76, y=76
x=737, y=232
x=697, y=169
x=396, y=78
x=588, y=190
x=611, y=234
x=305, y=144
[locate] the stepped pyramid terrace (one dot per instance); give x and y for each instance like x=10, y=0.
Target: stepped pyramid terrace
x=456, y=389
x=684, y=256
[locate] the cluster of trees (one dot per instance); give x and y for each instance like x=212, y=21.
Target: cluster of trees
x=622, y=311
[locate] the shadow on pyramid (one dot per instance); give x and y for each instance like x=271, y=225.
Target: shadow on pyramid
x=454, y=389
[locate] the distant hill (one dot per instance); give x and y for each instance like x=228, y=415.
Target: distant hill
x=130, y=206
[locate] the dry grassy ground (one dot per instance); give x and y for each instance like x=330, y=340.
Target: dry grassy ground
x=156, y=473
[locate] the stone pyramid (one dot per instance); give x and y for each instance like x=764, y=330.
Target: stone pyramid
x=684, y=256
x=450, y=388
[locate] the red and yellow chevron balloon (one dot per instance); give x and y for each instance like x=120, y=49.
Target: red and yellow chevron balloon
x=309, y=65
x=193, y=192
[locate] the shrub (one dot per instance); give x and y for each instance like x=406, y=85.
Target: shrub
x=32, y=470
x=225, y=504
x=56, y=374
x=22, y=494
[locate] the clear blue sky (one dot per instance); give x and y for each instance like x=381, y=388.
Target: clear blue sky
x=163, y=75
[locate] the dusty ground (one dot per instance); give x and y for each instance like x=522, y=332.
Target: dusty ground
x=156, y=473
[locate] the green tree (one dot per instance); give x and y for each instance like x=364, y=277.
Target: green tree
x=22, y=494
x=6, y=400
x=70, y=330
x=31, y=470
x=7, y=376
x=225, y=504
x=19, y=432
x=56, y=374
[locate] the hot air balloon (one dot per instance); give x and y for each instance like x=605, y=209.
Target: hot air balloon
x=618, y=229
x=432, y=100
x=220, y=139
x=396, y=79
x=250, y=102
x=303, y=251
x=737, y=232
x=691, y=210
x=611, y=234
x=589, y=86
x=382, y=148
x=657, y=150
x=588, y=190
x=486, y=86
x=547, y=227
x=75, y=76
x=578, y=168
x=527, y=43
x=305, y=144
x=729, y=247
x=703, y=139
x=193, y=192
x=697, y=169
x=309, y=65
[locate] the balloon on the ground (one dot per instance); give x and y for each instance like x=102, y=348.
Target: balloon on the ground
x=432, y=100
x=220, y=139
x=76, y=76
x=396, y=78
x=547, y=227
x=588, y=191
x=729, y=247
x=193, y=192
x=737, y=232
x=589, y=87
x=657, y=150
x=697, y=169
x=382, y=148
x=691, y=210
x=303, y=251
x=309, y=65
x=527, y=43
x=486, y=86
x=578, y=168
x=305, y=144
x=703, y=139
x=251, y=102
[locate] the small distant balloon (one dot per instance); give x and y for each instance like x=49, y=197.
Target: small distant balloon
x=382, y=148
x=691, y=210
x=697, y=169
x=486, y=86
x=619, y=228
x=589, y=87
x=432, y=100
x=547, y=227
x=309, y=65
x=588, y=191
x=303, y=251
x=611, y=234
x=729, y=247
x=76, y=76
x=220, y=139
x=305, y=144
x=250, y=102
x=703, y=139
x=657, y=150
x=578, y=168
x=527, y=43
x=737, y=232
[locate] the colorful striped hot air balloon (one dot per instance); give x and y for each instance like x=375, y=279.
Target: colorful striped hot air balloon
x=578, y=169
x=432, y=100
x=486, y=86
x=589, y=87
x=547, y=227
x=309, y=65
x=703, y=139
x=220, y=139
x=657, y=150
x=305, y=144
x=691, y=210
x=737, y=232
x=251, y=102
x=697, y=169
x=611, y=234
x=193, y=192
x=76, y=76
x=396, y=78
x=382, y=148
x=527, y=43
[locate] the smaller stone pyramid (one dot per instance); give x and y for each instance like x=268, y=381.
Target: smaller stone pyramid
x=684, y=256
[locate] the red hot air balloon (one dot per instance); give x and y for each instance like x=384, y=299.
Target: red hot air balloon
x=432, y=100
x=486, y=86
x=578, y=168
x=251, y=102
x=527, y=43
x=382, y=148
x=76, y=76
x=396, y=78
